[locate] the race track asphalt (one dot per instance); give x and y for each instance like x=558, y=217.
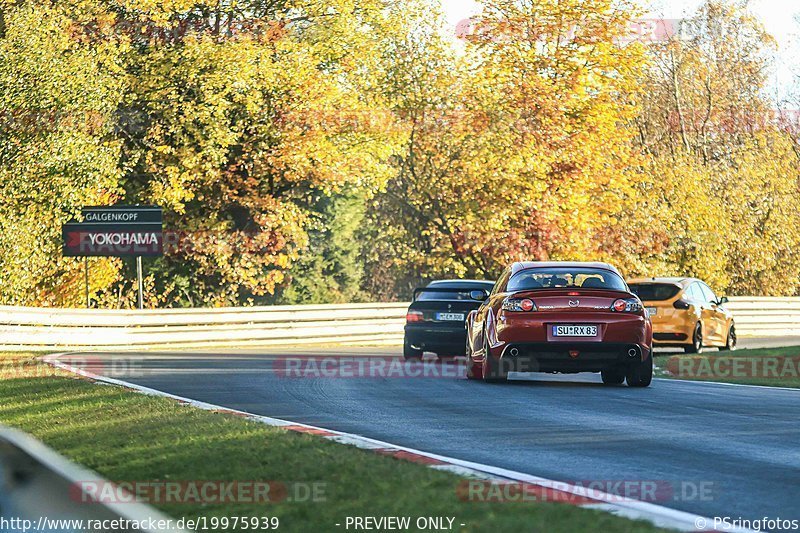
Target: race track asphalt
x=711, y=449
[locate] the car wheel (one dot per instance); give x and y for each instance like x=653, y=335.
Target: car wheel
x=491, y=369
x=697, y=340
x=474, y=370
x=640, y=374
x=613, y=376
x=409, y=352
x=730, y=344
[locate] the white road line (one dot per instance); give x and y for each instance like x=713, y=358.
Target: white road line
x=769, y=387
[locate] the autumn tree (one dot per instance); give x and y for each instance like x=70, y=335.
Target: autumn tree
x=515, y=150
x=58, y=152
x=342, y=150
x=721, y=183
x=240, y=118
x=331, y=269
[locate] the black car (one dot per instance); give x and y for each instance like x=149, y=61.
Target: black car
x=435, y=319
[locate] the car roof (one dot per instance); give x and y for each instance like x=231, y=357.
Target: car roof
x=681, y=282
x=524, y=265
x=460, y=283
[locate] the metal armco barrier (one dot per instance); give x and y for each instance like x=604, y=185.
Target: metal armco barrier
x=41, y=491
x=24, y=328
x=766, y=317
x=30, y=329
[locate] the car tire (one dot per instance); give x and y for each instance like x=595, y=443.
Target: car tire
x=474, y=370
x=411, y=353
x=491, y=368
x=730, y=343
x=491, y=371
x=640, y=374
x=697, y=340
x=613, y=376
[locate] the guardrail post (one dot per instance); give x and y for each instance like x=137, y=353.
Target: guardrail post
x=86, y=281
x=141, y=281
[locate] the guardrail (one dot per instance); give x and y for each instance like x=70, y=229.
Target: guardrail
x=42, y=491
x=766, y=317
x=47, y=329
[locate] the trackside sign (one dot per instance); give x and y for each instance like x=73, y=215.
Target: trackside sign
x=115, y=231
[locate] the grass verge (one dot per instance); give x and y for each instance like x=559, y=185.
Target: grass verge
x=125, y=436
x=774, y=367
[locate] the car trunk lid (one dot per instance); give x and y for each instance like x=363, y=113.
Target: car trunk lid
x=573, y=300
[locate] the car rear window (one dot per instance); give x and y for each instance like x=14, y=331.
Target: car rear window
x=655, y=292
x=557, y=277
x=450, y=291
x=442, y=295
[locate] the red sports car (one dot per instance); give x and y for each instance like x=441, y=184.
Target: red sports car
x=560, y=317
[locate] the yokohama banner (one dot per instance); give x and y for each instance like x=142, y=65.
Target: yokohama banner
x=115, y=231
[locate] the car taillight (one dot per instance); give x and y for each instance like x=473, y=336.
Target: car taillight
x=519, y=305
x=413, y=316
x=681, y=304
x=629, y=305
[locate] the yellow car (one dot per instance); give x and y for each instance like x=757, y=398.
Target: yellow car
x=686, y=313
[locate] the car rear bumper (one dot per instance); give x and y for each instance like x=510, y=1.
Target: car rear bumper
x=528, y=341
x=671, y=339
x=435, y=338
x=671, y=333
x=570, y=357
x=613, y=328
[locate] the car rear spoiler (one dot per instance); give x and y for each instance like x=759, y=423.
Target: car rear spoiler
x=420, y=290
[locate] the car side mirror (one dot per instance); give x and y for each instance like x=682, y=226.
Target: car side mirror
x=723, y=300
x=478, y=295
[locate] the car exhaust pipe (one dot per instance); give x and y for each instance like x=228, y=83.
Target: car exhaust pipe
x=513, y=352
x=633, y=352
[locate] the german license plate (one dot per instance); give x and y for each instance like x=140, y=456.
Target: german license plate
x=450, y=317
x=652, y=311
x=574, y=331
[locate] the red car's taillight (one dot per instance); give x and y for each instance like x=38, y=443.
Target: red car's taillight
x=519, y=305
x=628, y=305
x=413, y=316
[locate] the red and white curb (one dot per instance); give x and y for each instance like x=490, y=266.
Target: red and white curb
x=581, y=496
